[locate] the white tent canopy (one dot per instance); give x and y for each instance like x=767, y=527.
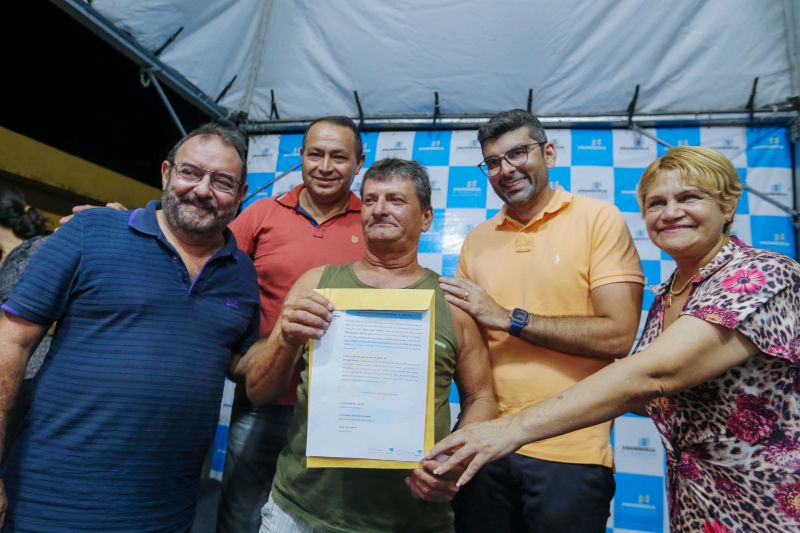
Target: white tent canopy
x=692, y=59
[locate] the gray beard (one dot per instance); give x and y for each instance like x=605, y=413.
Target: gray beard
x=180, y=221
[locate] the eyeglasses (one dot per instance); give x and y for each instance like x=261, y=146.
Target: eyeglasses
x=220, y=181
x=515, y=157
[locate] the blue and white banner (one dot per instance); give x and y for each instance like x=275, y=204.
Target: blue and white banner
x=602, y=163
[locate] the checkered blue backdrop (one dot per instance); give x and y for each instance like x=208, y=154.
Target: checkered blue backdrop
x=605, y=164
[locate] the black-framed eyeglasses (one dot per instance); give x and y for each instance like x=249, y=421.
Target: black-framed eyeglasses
x=515, y=157
x=190, y=173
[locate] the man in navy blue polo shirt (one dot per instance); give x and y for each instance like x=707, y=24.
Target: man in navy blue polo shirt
x=153, y=307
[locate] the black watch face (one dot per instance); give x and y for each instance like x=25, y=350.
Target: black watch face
x=519, y=315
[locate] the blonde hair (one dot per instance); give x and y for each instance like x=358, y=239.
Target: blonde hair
x=704, y=168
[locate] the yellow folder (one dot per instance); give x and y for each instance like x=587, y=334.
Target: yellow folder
x=382, y=300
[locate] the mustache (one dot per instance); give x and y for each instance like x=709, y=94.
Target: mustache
x=381, y=220
x=192, y=198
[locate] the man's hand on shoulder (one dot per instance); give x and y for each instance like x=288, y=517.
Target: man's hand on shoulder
x=80, y=208
x=471, y=297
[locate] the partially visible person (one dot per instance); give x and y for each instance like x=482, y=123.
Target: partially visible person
x=718, y=367
x=22, y=231
x=153, y=307
x=396, y=210
x=555, y=284
x=18, y=222
x=316, y=223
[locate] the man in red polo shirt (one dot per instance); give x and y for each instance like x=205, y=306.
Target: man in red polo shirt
x=316, y=223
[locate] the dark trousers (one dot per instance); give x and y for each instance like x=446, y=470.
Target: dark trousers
x=255, y=439
x=523, y=494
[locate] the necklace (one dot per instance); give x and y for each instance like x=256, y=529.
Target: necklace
x=673, y=293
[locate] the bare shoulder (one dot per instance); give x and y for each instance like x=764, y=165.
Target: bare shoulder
x=467, y=333
x=309, y=280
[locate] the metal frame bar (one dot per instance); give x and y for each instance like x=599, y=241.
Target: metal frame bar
x=425, y=122
x=103, y=28
x=152, y=79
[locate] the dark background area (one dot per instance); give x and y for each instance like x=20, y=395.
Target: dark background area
x=65, y=87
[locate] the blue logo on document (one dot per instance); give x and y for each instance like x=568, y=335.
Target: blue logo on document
x=432, y=148
x=592, y=148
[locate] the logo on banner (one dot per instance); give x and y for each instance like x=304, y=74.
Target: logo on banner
x=725, y=144
x=435, y=145
x=266, y=152
x=594, y=187
x=773, y=143
x=777, y=238
x=472, y=145
x=470, y=188
x=596, y=144
x=683, y=142
x=396, y=147
x=294, y=153
x=638, y=145
x=641, y=448
x=642, y=502
x=557, y=143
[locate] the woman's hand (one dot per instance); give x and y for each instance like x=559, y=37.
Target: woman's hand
x=477, y=444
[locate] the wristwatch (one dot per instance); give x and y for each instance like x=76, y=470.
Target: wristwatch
x=519, y=319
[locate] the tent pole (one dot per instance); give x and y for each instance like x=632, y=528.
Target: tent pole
x=152, y=79
x=120, y=41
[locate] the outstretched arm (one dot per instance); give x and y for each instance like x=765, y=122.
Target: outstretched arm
x=269, y=363
x=691, y=351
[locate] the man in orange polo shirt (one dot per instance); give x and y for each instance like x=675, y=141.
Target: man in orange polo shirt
x=555, y=283
x=316, y=223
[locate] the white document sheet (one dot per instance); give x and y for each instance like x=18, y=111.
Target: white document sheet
x=369, y=378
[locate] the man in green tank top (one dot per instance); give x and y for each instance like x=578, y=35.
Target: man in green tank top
x=396, y=210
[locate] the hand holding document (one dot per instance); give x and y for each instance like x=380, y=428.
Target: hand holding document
x=371, y=380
